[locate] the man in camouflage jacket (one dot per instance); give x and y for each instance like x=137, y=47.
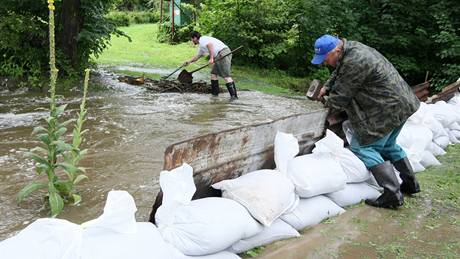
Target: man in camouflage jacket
x=377, y=101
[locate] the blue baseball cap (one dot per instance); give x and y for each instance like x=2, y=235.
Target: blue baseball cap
x=323, y=45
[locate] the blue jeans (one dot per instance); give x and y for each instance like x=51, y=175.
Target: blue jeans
x=376, y=152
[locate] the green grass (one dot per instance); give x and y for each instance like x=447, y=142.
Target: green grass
x=145, y=51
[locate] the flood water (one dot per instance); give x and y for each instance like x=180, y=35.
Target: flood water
x=129, y=129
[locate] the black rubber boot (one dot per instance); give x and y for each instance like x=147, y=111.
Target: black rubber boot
x=232, y=90
x=215, y=87
x=391, y=196
x=410, y=184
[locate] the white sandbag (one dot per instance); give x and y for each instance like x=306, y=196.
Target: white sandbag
x=220, y=255
x=435, y=149
x=277, y=231
x=443, y=113
x=312, y=211
x=286, y=148
x=452, y=138
x=414, y=139
x=145, y=243
x=354, y=193
x=424, y=117
x=266, y=194
x=207, y=226
x=116, y=234
x=417, y=166
x=178, y=188
x=119, y=214
x=454, y=127
x=352, y=166
x=442, y=141
x=315, y=174
x=429, y=159
x=455, y=133
x=46, y=238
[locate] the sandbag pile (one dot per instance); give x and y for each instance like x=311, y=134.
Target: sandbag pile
x=429, y=131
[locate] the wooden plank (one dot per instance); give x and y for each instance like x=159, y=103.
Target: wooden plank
x=231, y=153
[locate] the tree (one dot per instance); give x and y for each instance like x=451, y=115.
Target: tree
x=82, y=31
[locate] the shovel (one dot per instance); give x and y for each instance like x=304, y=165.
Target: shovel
x=164, y=77
x=186, y=77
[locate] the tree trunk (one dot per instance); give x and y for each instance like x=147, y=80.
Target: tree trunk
x=71, y=26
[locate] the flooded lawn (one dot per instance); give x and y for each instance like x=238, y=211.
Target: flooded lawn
x=129, y=128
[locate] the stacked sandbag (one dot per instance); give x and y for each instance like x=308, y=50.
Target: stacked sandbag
x=449, y=116
x=312, y=175
x=312, y=211
x=356, y=188
x=423, y=116
x=277, y=231
x=203, y=226
x=115, y=235
x=266, y=194
x=46, y=238
x=416, y=139
x=317, y=173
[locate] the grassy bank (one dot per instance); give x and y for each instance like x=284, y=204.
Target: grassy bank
x=145, y=51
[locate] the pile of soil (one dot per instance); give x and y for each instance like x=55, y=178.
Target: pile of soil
x=162, y=86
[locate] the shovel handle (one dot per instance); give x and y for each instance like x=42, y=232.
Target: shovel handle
x=217, y=59
x=164, y=77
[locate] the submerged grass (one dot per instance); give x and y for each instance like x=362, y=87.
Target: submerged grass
x=146, y=51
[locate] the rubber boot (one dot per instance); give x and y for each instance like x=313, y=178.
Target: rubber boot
x=232, y=90
x=215, y=87
x=410, y=184
x=386, y=178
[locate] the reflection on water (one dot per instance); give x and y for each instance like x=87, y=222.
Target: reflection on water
x=129, y=128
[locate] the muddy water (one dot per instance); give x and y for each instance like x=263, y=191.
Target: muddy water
x=129, y=129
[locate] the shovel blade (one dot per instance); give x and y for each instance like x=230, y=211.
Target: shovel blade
x=185, y=77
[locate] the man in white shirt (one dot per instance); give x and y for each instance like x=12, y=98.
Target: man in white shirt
x=215, y=49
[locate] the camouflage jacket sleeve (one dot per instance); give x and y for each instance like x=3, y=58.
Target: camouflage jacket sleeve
x=345, y=82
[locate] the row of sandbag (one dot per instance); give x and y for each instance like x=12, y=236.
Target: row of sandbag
x=429, y=131
x=113, y=235
x=265, y=205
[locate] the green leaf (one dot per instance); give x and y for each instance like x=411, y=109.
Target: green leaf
x=60, y=109
x=44, y=138
x=68, y=168
x=76, y=199
x=56, y=203
x=61, y=131
x=66, y=123
x=40, y=168
x=29, y=189
x=51, y=120
x=83, y=152
x=62, y=146
x=79, y=178
x=37, y=158
x=64, y=187
x=39, y=129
